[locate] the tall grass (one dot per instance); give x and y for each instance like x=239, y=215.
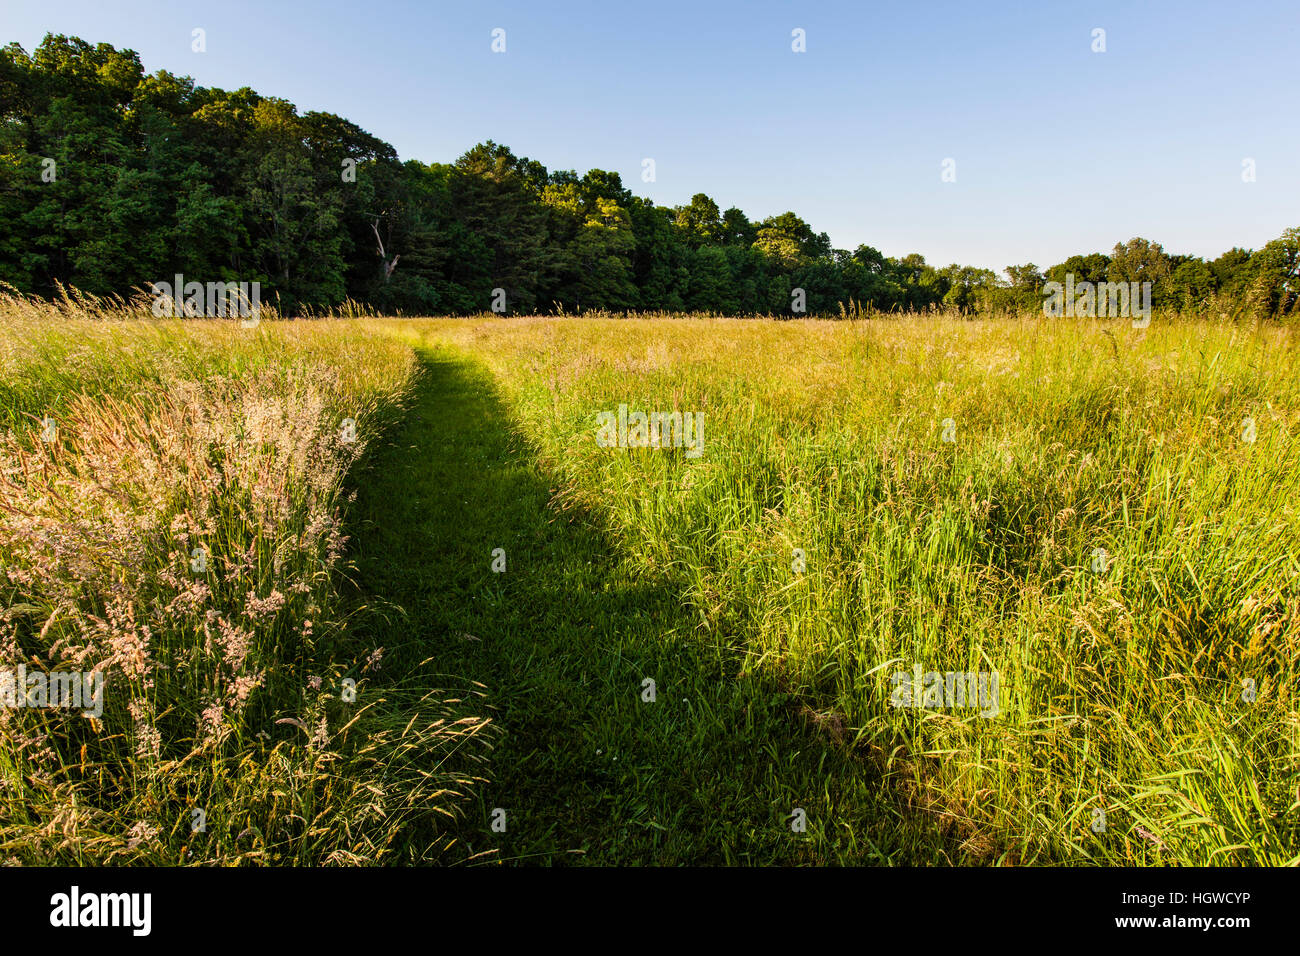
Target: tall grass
x=1107, y=531
x=172, y=497
x=1148, y=711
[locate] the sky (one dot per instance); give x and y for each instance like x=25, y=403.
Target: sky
x=1056, y=148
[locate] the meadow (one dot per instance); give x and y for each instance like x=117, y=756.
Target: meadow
x=171, y=515
x=474, y=635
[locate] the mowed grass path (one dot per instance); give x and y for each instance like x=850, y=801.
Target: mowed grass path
x=585, y=769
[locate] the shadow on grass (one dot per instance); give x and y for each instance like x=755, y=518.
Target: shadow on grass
x=563, y=639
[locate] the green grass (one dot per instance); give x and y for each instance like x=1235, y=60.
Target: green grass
x=1159, y=690
x=1124, y=692
x=225, y=692
x=587, y=770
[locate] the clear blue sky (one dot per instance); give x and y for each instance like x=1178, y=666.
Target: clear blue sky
x=1058, y=149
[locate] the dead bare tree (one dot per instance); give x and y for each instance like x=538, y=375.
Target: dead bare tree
x=389, y=264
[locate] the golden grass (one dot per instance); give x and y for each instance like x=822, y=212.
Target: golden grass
x=1147, y=712
x=1155, y=701
x=171, y=516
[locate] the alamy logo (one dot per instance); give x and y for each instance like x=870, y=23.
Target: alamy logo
x=71, y=689
x=937, y=690
x=1100, y=299
x=181, y=299
x=103, y=909
x=653, y=430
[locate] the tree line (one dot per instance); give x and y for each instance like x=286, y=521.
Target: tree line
x=111, y=180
